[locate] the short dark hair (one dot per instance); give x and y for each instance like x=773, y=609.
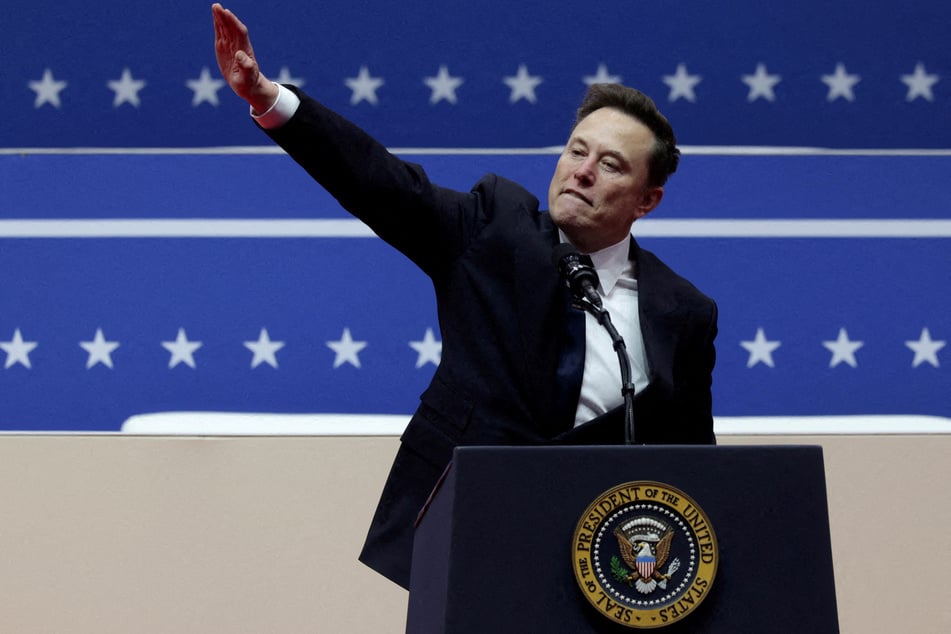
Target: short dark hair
x=665, y=157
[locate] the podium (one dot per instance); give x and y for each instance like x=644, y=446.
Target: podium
x=496, y=550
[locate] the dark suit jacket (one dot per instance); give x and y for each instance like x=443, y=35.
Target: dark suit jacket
x=501, y=308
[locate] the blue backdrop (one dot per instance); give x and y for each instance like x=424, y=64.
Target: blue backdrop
x=842, y=74
x=119, y=256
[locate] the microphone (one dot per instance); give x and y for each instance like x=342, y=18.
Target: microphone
x=583, y=281
x=581, y=277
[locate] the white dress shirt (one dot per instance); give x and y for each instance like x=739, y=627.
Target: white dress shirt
x=280, y=111
x=601, y=382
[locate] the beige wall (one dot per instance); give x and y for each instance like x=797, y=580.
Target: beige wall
x=144, y=534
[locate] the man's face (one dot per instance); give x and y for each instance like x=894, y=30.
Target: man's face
x=599, y=187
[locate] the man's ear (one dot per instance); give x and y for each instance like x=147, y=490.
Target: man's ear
x=649, y=199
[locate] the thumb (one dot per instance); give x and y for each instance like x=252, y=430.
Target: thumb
x=244, y=60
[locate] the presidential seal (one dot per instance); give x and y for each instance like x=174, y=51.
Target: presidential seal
x=644, y=554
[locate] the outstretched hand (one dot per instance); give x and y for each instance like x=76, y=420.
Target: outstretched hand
x=237, y=62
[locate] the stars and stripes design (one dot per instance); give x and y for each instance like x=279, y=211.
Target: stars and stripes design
x=461, y=76
x=182, y=350
x=924, y=350
x=365, y=87
x=645, y=565
x=843, y=312
x=843, y=349
x=158, y=253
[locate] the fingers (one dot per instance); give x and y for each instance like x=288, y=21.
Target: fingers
x=228, y=26
x=237, y=62
x=233, y=50
x=224, y=49
x=219, y=16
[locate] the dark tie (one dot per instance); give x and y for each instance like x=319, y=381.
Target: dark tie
x=570, y=365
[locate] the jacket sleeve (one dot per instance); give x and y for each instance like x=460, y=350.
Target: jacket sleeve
x=696, y=392
x=432, y=225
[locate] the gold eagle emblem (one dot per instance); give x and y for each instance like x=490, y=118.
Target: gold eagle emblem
x=645, y=547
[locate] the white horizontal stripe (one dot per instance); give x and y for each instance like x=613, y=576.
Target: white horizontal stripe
x=780, y=228
x=191, y=228
x=821, y=425
x=706, y=150
x=144, y=151
x=717, y=150
x=253, y=424
x=269, y=149
x=237, y=423
x=348, y=228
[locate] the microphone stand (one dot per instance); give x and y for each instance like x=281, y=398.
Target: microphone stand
x=627, y=386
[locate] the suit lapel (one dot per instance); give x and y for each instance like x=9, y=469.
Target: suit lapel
x=541, y=309
x=655, y=311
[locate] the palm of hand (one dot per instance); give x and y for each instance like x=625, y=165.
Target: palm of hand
x=235, y=55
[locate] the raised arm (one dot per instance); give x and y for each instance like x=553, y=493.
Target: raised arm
x=429, y=224
x=236, y=60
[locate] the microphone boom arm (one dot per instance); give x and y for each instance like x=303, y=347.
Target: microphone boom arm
x=627, y=385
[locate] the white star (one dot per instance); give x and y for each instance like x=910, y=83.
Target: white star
x=602, y=77
x=760, y=349
x=761, y=84
x=346, y=349
x=265, y=350
x=925, y=349
x=18, y=351
x=181, y=349
x=522, y=85
x=47, y=89
x=126, y=89
x=919, y=84
x=285, y=77
x=205, y=88
x=430, y=350
x=443, y=86
x=840, y=84
x=364, y=87
x=681, y=84
x=100, y=350
x=842, y=349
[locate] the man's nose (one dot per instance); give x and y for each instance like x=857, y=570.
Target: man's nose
x=584, y=173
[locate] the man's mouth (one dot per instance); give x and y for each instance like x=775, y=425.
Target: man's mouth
x=577, y=194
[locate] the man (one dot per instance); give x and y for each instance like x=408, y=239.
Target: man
x=503, y=310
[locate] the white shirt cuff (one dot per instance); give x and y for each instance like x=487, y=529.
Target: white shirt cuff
x=280, y=111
